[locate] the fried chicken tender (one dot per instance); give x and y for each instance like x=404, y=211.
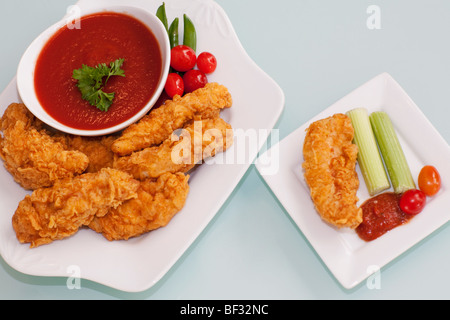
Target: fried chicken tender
x=159, y=124
x=58, y=212
x=329, y=170
x=31, y=155
x=157, y=202
x=196, y=142
x=97, y=149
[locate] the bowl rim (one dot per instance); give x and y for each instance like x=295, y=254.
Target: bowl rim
x=27, y=63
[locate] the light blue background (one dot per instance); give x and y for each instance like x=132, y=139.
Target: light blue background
x=317, y=51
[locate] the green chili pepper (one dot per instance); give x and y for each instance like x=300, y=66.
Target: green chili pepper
x=173, y=33
x=190, y=35
x=161, y=14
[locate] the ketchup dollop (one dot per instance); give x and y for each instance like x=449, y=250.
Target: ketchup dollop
x=381, y=213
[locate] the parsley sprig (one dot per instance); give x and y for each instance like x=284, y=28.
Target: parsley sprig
x=90, y=82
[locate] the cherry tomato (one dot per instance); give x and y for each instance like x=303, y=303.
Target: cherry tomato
x=182, y=58
x=429, y=180
x=413, y=201
x=193, y=80
x=206, y=62
x=174, y=85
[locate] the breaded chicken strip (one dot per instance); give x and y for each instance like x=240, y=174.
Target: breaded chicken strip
x=174, y=114
x=97, y=149
x=31, y=155
x=157, y=202
x=329, y=170
x=179, y=153
x=58, y=212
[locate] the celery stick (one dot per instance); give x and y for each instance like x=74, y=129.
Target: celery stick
x=369, y=158
x=392, y=152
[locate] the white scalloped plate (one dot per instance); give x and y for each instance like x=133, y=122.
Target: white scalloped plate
x=349, y=258
x=137, y=264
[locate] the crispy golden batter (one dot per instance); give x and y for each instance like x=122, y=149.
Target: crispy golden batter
x=89, y=181
x=159, y=124
x=31, y=155
x=157, y=202
x=58, y=212
x=179, y=153
x=329, y=170
x=97, y=149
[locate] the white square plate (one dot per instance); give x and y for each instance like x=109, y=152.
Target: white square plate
x=137, y=264
x=349, y=258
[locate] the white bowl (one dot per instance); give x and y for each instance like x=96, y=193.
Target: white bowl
x=25, y=71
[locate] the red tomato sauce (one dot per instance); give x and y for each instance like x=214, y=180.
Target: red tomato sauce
x=102, y=38
x=381, y=214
